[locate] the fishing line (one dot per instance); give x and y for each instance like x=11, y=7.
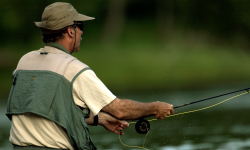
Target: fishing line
x=135, y=146
x=147, y=127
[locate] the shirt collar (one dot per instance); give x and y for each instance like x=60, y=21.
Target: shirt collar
x=58, y=46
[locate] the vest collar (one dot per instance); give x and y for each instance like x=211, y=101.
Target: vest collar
x=58, y=46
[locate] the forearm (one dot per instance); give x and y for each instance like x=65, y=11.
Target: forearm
x=134, y=110
x=128, y=110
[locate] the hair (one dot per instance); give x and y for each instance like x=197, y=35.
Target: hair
x=53, y=37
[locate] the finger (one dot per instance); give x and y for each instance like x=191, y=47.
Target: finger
x=171, y=106
x=119, y=129
x=123, y=124
x=162, y=117
x=118, y=132
x=121, y=133
x=172, y=111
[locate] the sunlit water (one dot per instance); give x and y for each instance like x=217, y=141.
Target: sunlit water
x=223, y=127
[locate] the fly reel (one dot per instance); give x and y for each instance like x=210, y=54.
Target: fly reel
x=142, y=126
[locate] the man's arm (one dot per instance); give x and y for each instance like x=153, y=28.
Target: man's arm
x=108, y=122
x=128, y=110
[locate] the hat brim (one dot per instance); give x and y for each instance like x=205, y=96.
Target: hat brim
x=81, y=17
x=39, y=24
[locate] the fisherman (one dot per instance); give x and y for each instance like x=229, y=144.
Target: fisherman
x=54, y=95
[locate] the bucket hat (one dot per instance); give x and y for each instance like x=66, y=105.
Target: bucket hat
x=58, y=16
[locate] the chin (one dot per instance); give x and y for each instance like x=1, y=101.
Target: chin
x=76, y=50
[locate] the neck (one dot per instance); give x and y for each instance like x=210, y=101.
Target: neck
x=67, y=44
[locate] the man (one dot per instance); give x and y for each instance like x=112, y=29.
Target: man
x=54, y=96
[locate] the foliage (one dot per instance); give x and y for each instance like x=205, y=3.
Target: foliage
x=224, y=18
x=136, y=45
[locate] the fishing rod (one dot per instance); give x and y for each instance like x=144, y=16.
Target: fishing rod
x=142, y=126
x=246, y=89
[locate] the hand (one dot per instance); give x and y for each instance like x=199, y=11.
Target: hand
x=163, y=110
x=112, y=124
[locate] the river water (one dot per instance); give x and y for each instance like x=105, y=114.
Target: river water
x=223, y=127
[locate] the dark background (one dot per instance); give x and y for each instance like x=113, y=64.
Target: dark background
x=141, y=46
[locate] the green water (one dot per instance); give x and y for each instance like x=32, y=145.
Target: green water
x=223, y=127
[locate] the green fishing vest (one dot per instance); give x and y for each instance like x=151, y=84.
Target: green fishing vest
x=49, y=94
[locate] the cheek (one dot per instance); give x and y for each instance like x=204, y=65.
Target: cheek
x=80, y=36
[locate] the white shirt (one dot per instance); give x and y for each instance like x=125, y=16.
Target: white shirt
x=88, y=92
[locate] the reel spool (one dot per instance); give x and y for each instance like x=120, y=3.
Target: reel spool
x=142, y=126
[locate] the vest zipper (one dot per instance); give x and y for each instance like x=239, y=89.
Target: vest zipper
x=12, y=89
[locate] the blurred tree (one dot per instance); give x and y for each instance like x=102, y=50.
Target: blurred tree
x=223, y=19
x=114, y=20
x=165, y=19
x=17, y=16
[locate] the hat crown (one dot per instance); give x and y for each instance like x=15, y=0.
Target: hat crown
x=58, y=15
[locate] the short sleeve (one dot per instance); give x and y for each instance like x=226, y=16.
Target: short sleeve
x=90, y=92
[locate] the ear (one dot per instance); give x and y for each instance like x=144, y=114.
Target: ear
x=70, y=31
